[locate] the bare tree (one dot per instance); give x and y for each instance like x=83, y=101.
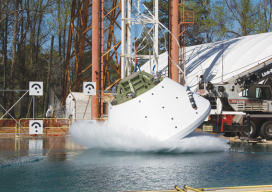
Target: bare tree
x=13, y=61
x=264, y=16
x=242, y=13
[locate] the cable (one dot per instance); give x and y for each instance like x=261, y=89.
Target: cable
x=52, y=146
x=13, y=118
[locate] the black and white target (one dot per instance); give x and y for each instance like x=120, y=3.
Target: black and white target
x=36, y=127
x=89, y=88
x=35, y=88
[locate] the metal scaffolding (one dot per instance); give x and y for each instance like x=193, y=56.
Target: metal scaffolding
x=140, y=19
x=101, y=45
x=179, y=20
x=83, y=42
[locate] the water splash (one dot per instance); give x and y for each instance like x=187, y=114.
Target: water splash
x=102, y=136
x=20, y=160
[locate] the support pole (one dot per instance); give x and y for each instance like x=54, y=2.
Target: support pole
x=95, y=55
x=156, y=34
x=33, y=106
x=123, y=39
x=170, y=39
x=129, y=37
x=175, y=47
x=101, y=56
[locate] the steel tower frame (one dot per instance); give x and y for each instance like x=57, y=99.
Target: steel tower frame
x=127, y=22
x=105, y=58
x=86, y=15
x=179, y=20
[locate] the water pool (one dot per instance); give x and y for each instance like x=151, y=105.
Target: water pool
x=26, y=165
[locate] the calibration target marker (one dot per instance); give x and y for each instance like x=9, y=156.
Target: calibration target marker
x=35, y=126
x=35, y=88
x=89, y=88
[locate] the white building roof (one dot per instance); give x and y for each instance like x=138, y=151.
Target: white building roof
x=237, y=55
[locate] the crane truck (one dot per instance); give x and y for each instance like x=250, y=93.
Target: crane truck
x=242, y=104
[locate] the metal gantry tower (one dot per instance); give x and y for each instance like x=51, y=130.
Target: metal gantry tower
x=89, y=34
x=139, y=19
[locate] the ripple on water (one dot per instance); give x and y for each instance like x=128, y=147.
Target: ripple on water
x=20, y=160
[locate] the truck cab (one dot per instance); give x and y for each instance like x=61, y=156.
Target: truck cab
x=257, y=91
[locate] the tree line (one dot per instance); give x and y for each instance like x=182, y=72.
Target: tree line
x=34, y=35
x=225, y=19
x=27, y=28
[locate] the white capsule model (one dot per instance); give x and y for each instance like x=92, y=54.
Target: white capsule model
x=158, y=107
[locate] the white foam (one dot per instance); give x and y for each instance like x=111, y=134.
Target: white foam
x=20, y=160
x=102, y=136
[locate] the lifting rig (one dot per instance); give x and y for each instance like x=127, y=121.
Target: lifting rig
x=240, y=104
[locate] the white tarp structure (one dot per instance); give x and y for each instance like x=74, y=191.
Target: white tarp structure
x=55, y=105
x=229, y=58
x=78, y=106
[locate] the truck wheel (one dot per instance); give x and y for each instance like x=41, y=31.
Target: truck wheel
x=253, y=131
x=261, y=134
x=266, y=130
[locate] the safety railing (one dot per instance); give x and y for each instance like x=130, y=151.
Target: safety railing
x=50, y=125
x=8, y=126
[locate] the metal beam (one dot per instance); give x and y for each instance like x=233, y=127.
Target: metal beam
x=175, y=46
x=95, y=56
x=78, y=40
x=179, y=21
x=101, y=58
x=156, y=35
x=123, y=39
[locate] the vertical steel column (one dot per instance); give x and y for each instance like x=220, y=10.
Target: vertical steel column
x=156, y=44
x=33, y=107
x=123, y=39
x=101, y=56
x=175, y=47
x=170, y=39
x=179, y=21
x=95, y=55
x=129, y=37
